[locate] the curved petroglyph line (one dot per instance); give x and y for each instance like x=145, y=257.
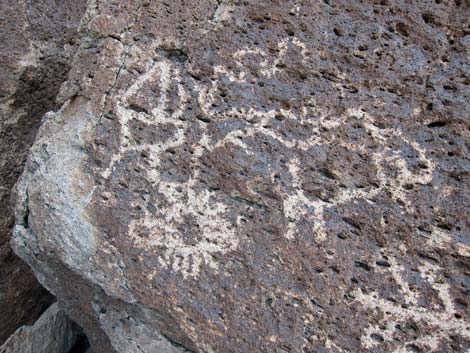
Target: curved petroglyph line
x=218, y=233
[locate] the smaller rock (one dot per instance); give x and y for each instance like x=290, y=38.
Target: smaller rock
x=53, y=332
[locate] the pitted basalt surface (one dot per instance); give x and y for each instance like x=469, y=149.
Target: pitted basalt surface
x=238, y=176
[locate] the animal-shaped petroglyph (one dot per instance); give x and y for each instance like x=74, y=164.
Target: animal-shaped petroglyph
x=219, y=235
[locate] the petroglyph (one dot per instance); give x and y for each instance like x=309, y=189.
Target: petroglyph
x=185, y=200
x=441, y=319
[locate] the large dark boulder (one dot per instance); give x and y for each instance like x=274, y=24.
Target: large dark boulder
x=248, y=176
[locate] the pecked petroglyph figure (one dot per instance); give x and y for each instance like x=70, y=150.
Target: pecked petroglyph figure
x=186, y=199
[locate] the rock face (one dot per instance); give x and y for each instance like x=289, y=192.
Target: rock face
x=247, y=176
x=52, y=333
x=37, y=42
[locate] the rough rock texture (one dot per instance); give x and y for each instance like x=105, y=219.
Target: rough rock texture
x=37, y=42
x=52, y=333
x=247, y=176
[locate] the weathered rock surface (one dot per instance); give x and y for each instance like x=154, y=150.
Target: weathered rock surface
x=37, y=42
x=246, y=176
x=53, y=332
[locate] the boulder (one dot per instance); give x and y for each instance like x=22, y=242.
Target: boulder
x=53, y=332
x=37, y=43
x=246, y=176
